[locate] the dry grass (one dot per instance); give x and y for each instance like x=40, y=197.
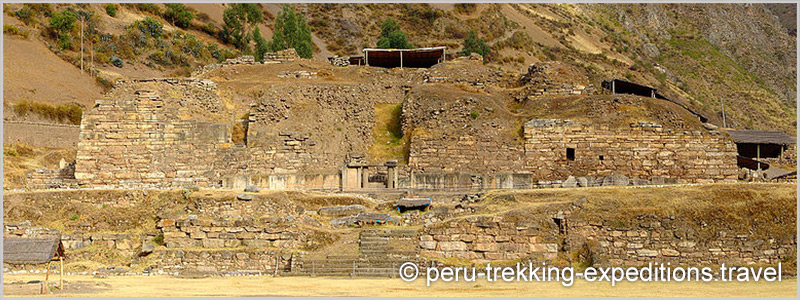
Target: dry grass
x=19, y=158
x=758, y=209
x=164, y=286
x=388, y=140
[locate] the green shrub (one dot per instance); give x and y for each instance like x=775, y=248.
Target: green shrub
x=149, y=7
x=472, y=44
x=111, y=9
x=11, y=29
x=116, y=61
x=25, y=14
x=159, y=240
x=210, y=29
x=465, y=8
x=473, y=115
x=178, y=15
x=149, y=26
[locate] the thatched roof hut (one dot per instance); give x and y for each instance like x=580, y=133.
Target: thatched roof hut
x=18, y=251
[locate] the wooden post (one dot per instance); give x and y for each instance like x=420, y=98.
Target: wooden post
x=277, y=264
x=46, y=277
x=61, y=275
x=81, y=45
x=613, y=86
x=401, y=59
x=313, y=269
x=758, y=158
x=366, y=58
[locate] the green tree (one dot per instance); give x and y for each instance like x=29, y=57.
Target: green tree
x=392, y=36
x=239, y=20
x=111, y=9
x=292, y=31
x=178, y=15
x=472, y=44
x=262, y=46
x=61, y=24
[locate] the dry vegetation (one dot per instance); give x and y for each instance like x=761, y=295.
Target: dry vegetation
x=19, y=159
x=388, y=139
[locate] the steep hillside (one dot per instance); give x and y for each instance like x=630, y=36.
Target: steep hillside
x=740, y=56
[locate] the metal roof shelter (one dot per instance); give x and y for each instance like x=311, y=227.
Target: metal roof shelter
x=621, y=86
x=757, y=144
x=34, y=251
x=761, y=137
x=409, y=58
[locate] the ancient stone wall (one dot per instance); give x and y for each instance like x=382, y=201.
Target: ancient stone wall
x=487, y=238
x=221, y=261
x=40, y=134
x=139, y=140
x=556, y=149
x=464, y=154
x=656, y=240
x=647, y=240
x=228, y=233
x=554, y=78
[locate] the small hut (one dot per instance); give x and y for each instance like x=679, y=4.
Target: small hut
x=35, y=251
x=406, y=204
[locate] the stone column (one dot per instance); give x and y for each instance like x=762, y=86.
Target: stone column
x=364, y=177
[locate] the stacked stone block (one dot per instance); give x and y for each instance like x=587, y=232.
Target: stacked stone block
x=486, y=239
x=643, y=150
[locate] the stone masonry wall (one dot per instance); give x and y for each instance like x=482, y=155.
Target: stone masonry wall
x=40, y=134
x=141, y=140
x=487, y=238
x=464, y=154
x=648, y=240
x=644, y=150
x=228, y=233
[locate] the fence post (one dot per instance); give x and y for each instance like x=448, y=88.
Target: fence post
x=313, y=269
x=354, y=269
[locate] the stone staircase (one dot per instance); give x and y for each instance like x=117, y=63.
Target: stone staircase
x=382, y=252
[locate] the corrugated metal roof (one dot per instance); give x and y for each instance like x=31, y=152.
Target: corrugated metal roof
x=31, y=250
x=761, y=137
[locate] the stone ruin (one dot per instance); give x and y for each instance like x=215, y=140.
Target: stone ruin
x=140, y=135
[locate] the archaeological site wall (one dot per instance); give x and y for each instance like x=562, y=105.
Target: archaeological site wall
x=138, y=139
x=40, y=134
x=555, y=149
x=647, y=240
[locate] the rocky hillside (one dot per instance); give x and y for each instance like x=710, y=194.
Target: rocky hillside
x=740, y=56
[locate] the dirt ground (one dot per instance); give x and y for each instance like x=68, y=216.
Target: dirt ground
x=166, y=286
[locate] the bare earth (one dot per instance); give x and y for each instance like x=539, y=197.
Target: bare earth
x=167, y=286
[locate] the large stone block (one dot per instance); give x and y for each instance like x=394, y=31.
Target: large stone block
x=452, y=246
